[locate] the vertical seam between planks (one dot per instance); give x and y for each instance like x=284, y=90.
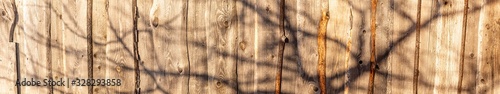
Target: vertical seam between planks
x=16, y=19
x=322, y=47
x=18, y=68
x=90, y=59
x=137, y=57
x=186, y=13
x=372, y=58
x=281, y=45
x=417, y=49
x=49, y=46
x=462, y=50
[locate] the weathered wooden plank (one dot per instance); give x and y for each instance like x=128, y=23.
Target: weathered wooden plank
x=428, y=37
x=9, y=67
x=338, y=46
x=266, y=44
x=56, y=45
x=359, y=71
x=119, y=46
x=221, y=46
x=100, y=36
x=384, y=41
x=471, y=65
x=147, y=51
x=197, y=29
x=301, y=52
x=289, y=73
x=448, y=46
x=441, y=37
x=33, y=43
x=168, y=70
x=488, y=47
x=246, y=12
x=68, y=32
x=8, y=52
x=402, y=47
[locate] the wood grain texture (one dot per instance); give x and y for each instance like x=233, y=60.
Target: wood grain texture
x=100, y=36
x=197, y=31
x=402, y=46
x=246, y=67
x=221, y=46
x=359, y=71
x=8, y=51
x=300, y=70
x=148, y=68
x=33, y=43
x=339, y=46
x=168, y=66
x=427, y=52
x=119, y=46
x=68, y=22
x=488, y=48
x=8, y=61
x=384, y=41
x=266, y=40
x=471, y=61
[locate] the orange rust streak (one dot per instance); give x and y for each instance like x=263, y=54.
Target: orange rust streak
x=372, y=58
x=322, y=49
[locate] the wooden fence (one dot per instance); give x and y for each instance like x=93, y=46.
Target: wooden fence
x=252, y=46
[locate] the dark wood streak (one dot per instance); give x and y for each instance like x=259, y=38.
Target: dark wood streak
x=90, y=57
x=417, y=49
x=137, y=58
x=462, y=48
x=281, y=46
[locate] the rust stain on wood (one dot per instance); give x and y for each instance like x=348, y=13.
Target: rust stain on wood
x=325, y=16
x=372, y=58
x=462, y=48
x=417, y=49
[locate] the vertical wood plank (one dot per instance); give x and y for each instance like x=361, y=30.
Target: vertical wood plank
x=119, y=48
x=169, y=68
x=221, y=46
x=68, y=22
x=147, y=51
x=359, y=69
x=34, y=43
x=56, y=45
x=488, y=48
x=266, y=44
x=198, y=24
x=290, y=74
x=402, y=47
x=300, y=74
x=246, y=67
x=448, y=46
x=338, y=46
x=99, y=35
x=8, y=51
x=471, y=61
x=384, y=41
x=427, y=67
x=8, y=61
